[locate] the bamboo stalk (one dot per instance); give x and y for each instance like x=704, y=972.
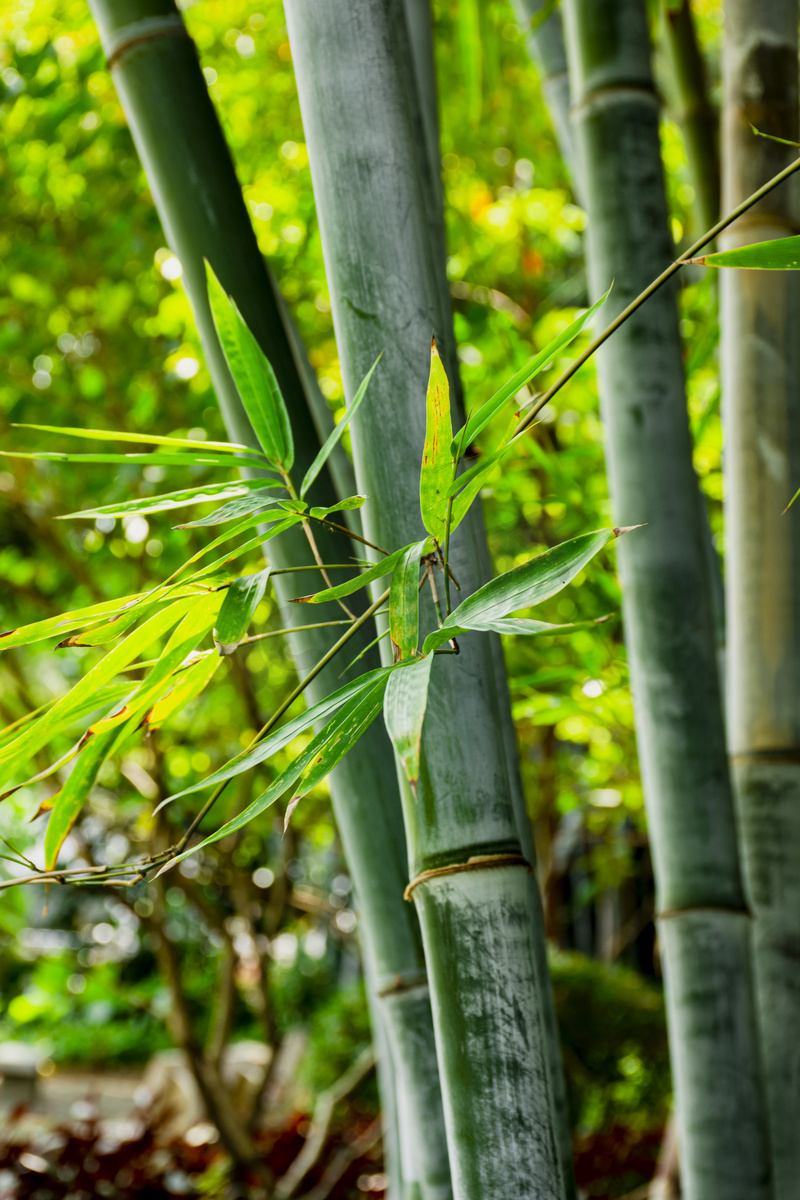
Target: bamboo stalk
x=694, y=112
x=198, y=198
x=479, y=926
x=760, y=312
x=703, y=917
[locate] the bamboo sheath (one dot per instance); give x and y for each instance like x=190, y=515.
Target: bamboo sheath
x=163, y=92
x=760, y=313
x=363, y=130
x=704, y=923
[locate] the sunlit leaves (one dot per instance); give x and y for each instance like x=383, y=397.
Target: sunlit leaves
x=254, y=377
x=68, y=803
x=437, y=460
x=780, y=254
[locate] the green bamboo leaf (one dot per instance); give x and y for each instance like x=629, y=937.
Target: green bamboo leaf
x=253, y=375
x=404, y=601
x=185, y=639
x=109, y=694
x=480, y=419
x=245, y=547
x=63, y=711
x=276, y=741
x=201, y=459
x=437, y=460
x=530, y=583
x=351, y=722
x=141, y=439
x=205, y=494
x=404, y=713
x=781, y=254
x=359, y=581
x=56, y=626
x=341, y=506
x=258, y=501
x=190, y=684
x=324, y=454
x=242, y=599
x=520, y=626
x=68, y=803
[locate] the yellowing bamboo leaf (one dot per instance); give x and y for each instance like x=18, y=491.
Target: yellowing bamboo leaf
x=190, y=684
x=437, y=460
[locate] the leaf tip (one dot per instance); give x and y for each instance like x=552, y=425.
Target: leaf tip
x=620, y=529
x=434, y=347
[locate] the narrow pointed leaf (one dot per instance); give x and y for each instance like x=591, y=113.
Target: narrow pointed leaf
x=404, y=601
x=141, y=439
x=782, y=254
x=109, y=694
x=259, y=501
x=341, y=506
x=324, y=454
x=242, y=599
x=56, y=626
x=68, y=803
x=406, y=701
x=521, y=626
x=63, y=711
x=353, y=585
x=480, y=419
x=253, y=375
x=207, y=494
x=437, y=459
x=276, y=741
x=185, y=639
x=190, y=684
x=530, y=583
x=200, y=459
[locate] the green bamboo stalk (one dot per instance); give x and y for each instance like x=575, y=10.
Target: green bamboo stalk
x=188, y=164
x=703, y=919
x=760, y=313
x=694, y=112
x=544, y=38
x=479, y=926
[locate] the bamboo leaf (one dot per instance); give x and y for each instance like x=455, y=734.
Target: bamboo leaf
x=191, y=631
x=404, y=601
x=200, y=459
x=55, y=626
x=341, y=506
x=191, y=684
x=480, y=419
x=319, y=462
x=258, y=501
x=242, y=599
x=141, y=439
x=63, y=711
x=359, y=581
x=350, y=721
x=781, y=254
x=205, y=494
x=109, y=694
x=68, y=803
x=437, y=460
x=287, y=733
x=530, y=583
x=404, y=712
x=253, y=375
x=521, y=626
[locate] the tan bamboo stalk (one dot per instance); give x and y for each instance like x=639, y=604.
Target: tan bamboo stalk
x=760, y=353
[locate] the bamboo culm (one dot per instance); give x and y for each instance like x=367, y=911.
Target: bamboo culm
x=479, y=927
x=191, y=174
x=760, y=313
x=704, y=923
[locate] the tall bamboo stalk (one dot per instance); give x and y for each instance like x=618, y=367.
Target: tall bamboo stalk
x=544, y=38
x=704, y=924
x=478, y=925
x=694, y=112
x=188, y=164
x=760, y=316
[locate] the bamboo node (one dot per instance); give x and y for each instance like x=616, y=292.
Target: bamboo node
x=142, y=31
x=478, y=862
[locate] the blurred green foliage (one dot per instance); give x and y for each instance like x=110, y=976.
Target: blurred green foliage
x=95, y=331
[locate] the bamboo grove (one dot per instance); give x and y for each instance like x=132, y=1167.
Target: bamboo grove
x=419, y=740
